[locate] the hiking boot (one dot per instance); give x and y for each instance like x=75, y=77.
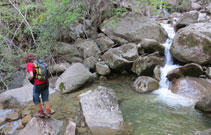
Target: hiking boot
x=39, y=114
x=48, y=113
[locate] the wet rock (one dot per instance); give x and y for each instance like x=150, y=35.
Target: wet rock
x=58, y=68
x=157, y=73
x=102, y=68
x=104, y=43
x=69, y=53
x=13, y=116
x=145, y=84
x=88, y=48
x=151, y=45
x=192, y=70
x=113, y=57
x=145, y=65
x=90, y=62
x=20, y=126
x=206, y=132
x=26, y=119
x=70, y=128
x=73, y=78
x=187, y=19
x=39, y=126
x=192, y=44
x=191, y=87
x=204, y=104
x=133, y=28
x=101, y=110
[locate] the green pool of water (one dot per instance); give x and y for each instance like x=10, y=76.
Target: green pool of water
x=149, y=117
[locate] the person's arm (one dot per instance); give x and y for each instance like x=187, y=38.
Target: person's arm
x=31, y=75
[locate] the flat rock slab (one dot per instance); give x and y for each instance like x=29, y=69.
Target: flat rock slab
x=101, y=111
x=39, y=126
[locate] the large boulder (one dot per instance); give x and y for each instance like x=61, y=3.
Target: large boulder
x=88, y=48
x=101, y=111
x=38, y=126
x=18, y=96
x=69, y=53
x=114, y=59
x=133, y=28
x=187, y=19
x=191, y=87
x=151, y=45
x=58, y=68
x=193, y=44
x=144, y=65
x=145, y=84
x=204, y=104
x=192, y=70
x=73, y=78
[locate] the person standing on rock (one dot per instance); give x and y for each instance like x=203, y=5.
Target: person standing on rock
x=40, y=86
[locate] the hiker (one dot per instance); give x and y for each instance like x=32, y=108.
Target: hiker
x=40, y=86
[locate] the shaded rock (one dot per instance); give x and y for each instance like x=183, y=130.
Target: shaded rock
x=39, y=126
x=130, y=51
x=102, y=68
x=187, y=19
x=101, y=111
x=73, y=78
x=13, y=116
x=113, y=57
x=90, y=63
x=208, y=72
x=17, y=80
x=26, y=119
x=133, y=28
x=192, y=44
x=206, y=132
x=145, y=84
x=70, y=128
x=191, y=87
x=2, y=122
x=204, y=104
x=58, y=68
x=104, y=43
x=88, y=48
x=144, y=65
x=208, y=8
x=69, y=53
x=151, y=45
x=192, y=70
x=196, y=6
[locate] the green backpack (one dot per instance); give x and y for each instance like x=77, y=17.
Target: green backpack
x=41, y=70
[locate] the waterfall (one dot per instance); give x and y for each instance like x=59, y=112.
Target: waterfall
x=164, y=94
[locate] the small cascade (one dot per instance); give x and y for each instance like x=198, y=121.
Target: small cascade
x=164, y=94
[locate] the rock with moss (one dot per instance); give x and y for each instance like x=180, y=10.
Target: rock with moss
x=133, y=28
x=144, y=84
x=193, y=44
x=73, y=78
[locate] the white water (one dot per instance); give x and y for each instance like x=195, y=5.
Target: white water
x=164, y=94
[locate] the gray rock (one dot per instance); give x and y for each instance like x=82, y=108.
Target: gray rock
x=17, y=80
x=101, y=110
x=192, y=70
x=39, y=126
x=208, y=8
x=73, y=78
x=145, y=84
x=205, y=132
x=204, y=104
x=58, y=68
x=196, y=6
x=144, y=65
x=133, y=28
x=130, y=51
x=102, y=68
x=204, y=17
x=151, y=45
x=90, y=62
x=88, y=48
x=157, y=73
x=70, y=128
x=208, y=72
x=187, y=19
x=104, y=43
x=192, y=44
x=191, y=87
x=69, y=53
x=113, y=58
